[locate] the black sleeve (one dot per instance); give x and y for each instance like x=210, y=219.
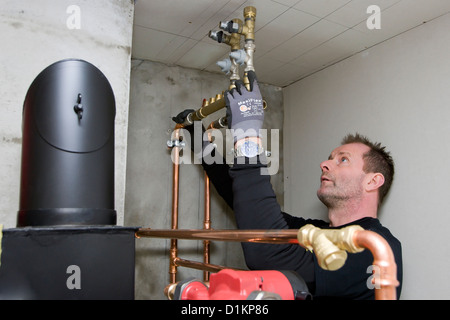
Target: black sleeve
x=256, y=207
x=219, y=176
x=217, y=172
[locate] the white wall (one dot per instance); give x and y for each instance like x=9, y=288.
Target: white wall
x=35, y=34
x=398, y=93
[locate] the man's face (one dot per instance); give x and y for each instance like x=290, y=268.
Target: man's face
x=342, y=175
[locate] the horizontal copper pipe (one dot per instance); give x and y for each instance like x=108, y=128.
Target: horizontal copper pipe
x=199, y=265
x=257, y=236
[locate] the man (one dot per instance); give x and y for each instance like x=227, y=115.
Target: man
x=354, y=181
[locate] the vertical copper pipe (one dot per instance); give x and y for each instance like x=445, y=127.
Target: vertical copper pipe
x=206, y=226
x=175, y=192
x=207, y=219
x=384, y=259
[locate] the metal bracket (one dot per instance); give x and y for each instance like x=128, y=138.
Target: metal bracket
x=176, y=143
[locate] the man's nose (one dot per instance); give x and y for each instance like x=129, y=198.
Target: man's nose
x=325, y=166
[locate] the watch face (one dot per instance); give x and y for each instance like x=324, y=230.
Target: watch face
x=249, y=149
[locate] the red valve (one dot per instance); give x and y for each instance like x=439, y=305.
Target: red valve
x=239, y=285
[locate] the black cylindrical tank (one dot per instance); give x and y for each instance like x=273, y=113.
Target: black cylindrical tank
x=67, y=170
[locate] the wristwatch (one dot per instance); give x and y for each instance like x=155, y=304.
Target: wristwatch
x=248, y=149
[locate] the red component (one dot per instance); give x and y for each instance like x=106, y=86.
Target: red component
x=238, y=285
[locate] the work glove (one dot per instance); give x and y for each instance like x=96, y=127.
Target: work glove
x=245, y=112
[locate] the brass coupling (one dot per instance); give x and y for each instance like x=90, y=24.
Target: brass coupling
x=329, y=245
x=233, y=39
x=249, y=30
x=236, y=26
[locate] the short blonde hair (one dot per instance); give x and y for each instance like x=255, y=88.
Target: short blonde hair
x=376, y=160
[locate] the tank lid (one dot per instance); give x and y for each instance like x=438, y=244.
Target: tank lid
x=73, y=106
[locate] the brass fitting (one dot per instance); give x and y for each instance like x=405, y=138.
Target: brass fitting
x=169, y=290
x=246, y=81
x=329, y=245
x=249, y=29
x=250, y=12
x=236, y=26
x=234, y=39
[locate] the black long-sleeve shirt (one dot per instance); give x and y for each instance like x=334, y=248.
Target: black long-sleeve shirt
x=253, y=200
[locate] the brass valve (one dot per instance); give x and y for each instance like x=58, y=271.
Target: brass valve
x=249, y=15
x=329, y=245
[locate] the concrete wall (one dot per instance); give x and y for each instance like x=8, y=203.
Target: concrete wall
x=35, y=34
x=396, y=93
x=159, y=92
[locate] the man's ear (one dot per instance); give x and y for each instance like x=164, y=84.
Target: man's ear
x=375, y=181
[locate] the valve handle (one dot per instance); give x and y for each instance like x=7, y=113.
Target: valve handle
x=78, y=108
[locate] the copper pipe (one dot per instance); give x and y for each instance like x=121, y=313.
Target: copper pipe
x=206, y=226
x=208, y=107
x=330, y=246
x=207, y=219
x=282, y=236
x=200, y=266
x=175, y=192
x=384, y=259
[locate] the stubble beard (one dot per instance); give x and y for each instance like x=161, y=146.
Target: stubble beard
x=337, y=196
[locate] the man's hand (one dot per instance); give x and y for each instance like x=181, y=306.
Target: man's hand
x=245, y=112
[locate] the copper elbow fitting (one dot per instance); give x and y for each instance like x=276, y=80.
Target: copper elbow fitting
x=330, y=248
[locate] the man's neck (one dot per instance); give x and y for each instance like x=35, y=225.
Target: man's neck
x=339, y=216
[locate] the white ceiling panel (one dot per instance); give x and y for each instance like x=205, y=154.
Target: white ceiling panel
x=294, y=38
x=321, y=8
x=282, y=28
x=209, y=18
x=202, y=55
x=165, y=15
x=144, y=38
x=355, y=11
x=306, y=40
x=267, y=11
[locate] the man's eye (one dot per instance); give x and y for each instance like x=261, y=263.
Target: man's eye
x=344, y=159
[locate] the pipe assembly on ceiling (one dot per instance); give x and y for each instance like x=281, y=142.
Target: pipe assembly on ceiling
x=238, y=56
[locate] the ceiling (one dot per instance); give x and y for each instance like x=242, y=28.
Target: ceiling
x=293, y=38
